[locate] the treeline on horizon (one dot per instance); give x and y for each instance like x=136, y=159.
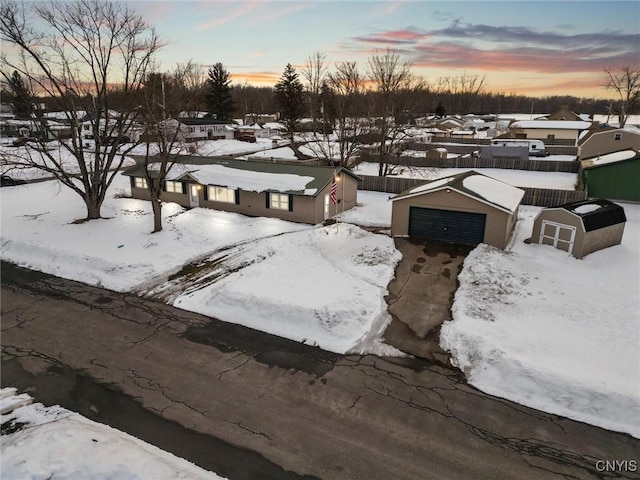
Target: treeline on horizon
x=260, y=99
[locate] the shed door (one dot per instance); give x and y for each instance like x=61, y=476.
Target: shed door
x=559, y=235
x=449, y=226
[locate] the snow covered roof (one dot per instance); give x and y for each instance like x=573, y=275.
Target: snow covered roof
x=481, y=187
x=554, y=124
x=594, y=214
x=250, y=176
x=201, y=121
x=609, y=158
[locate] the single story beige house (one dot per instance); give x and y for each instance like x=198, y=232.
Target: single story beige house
x=549, y=129
x=298, y=193
x=580, y=227
x=468, y=208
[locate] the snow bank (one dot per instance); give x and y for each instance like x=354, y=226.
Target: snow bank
x=57, y=443
x=373, y=210
x=539, y=327
x=323, y=286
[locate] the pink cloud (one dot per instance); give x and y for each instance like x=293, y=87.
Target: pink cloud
x=523, y=59
x=393, y=37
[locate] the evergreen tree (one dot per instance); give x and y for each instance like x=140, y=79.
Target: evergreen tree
x=20, y=95
x=440, y=110
x=290, y=99
x=220, y=103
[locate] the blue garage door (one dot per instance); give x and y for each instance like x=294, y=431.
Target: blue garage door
x=445, y=225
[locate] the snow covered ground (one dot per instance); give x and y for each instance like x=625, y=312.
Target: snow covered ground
x=531, y=324
x=539, y=327
x=116, y=252
x=517, y=178
x=56, y=443
x=323, y=285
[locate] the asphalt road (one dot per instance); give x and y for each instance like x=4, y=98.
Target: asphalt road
x=250, y=405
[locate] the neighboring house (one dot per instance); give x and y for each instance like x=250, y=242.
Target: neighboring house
x=108, y=128
x=251, y=118
x=468, y=208
x=565, y=113
x=448, y=123
x=290, y=192
x=549, y=130
x=581, y=227
x=34, y=128
x=198, y=129
x=257, y=130
x=606, y=140
x=615, y=176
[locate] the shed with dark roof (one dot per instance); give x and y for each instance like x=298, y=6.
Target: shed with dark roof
x=580, y=227
x=468, y=208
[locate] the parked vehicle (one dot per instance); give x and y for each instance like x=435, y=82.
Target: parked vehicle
x=536, y=147
x=247, y=138
x=8, y=181
x=22, y=141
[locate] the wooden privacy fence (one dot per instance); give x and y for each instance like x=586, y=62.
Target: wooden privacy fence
x=464, y=149
x=541, y=197
x=509, y=163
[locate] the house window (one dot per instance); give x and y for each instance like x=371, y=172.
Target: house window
x=279, y=201
x=173, y=187
x=222, y=194
x=203, y=129
x=140, y=182
x=617, y=136
x=551, y=136
x=192, y=129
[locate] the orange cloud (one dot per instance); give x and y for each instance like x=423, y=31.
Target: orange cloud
x=256, y=78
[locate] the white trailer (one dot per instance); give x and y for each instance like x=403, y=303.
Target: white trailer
x=536, y=147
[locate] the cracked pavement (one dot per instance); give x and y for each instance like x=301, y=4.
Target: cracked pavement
x=307, y=411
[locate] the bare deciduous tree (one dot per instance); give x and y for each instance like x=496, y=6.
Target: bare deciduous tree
x=345, y=104
x=314, y=73
x=166, y=97
x=395, y=89
x=465, y=89
x=626, y=83
x=79, y=53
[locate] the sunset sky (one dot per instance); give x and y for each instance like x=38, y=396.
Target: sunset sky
x=527, y=47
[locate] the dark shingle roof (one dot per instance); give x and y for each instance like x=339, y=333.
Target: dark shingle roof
x=597, y=213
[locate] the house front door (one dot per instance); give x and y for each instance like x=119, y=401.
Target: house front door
x=194, y=196
x=327, y=206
